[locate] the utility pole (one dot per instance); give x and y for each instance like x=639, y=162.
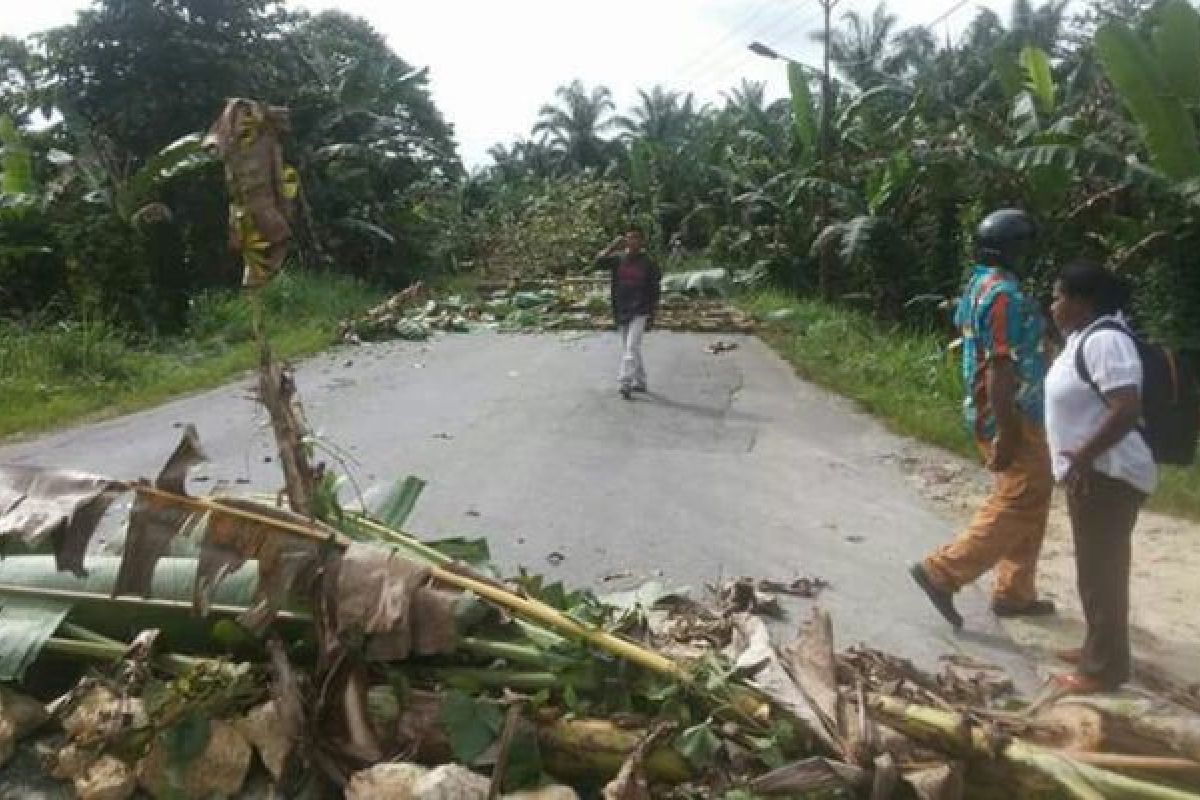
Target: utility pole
x=826, y=80
x=824, y=278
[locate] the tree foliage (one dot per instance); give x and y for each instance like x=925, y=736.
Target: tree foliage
x=130, y=226
x=1087, y=121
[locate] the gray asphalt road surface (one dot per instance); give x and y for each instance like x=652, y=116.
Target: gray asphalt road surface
x=731, y=466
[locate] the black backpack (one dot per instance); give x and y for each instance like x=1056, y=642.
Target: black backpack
x=1170, y=397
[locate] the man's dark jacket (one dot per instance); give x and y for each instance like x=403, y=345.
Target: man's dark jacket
x=636, y=283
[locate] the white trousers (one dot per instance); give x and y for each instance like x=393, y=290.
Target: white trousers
x=633, y=369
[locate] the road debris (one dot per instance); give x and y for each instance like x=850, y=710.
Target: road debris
x=411, y=653
x=573, y=304
x=801, y=587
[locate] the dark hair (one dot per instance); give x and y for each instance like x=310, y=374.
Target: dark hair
x=1088, y=280
x=634, y=227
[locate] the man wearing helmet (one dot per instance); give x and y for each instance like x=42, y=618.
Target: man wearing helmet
x=1003, y=369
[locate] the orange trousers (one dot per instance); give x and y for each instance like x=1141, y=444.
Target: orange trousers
x=1008, y=529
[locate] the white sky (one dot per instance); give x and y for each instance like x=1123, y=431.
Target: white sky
x=493, y=64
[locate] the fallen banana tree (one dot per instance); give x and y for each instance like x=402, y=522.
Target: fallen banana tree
x=770, y=704
x=1036, y=768
x=691, y=302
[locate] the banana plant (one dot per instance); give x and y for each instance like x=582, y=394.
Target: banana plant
x=1159, y=83
x=804, y=117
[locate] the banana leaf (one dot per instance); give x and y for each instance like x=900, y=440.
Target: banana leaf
x=1039, y=78
x=1166, y=124
x=35, y=598
x=804, y=118
x=1177, y=43
x=26, y=623
x=396, y=508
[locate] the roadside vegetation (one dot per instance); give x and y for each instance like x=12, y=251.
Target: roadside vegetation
x=905, y=376
x=57, y=373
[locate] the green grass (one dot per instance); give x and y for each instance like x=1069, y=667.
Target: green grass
x=908, y=379
x=68, y=372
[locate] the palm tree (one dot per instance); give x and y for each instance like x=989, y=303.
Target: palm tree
x=748, y=99
x=575, y=125
x=860, y=48
x=1041, y=27
x=661, y=115
x=523, y=158
x=912, y=50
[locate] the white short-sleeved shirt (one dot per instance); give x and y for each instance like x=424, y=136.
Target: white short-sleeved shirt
x=1074, y=412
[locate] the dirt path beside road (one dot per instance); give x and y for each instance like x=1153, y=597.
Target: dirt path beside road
x=1165, y=611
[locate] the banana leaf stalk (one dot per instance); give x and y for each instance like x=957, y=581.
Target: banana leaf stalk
x=99, y=648
x=157, y=603
x=469, y=678
x=746, y=702
x=513, y=652
x=591, y=749
x=523, y=607
x=421, y=551
x=951, y=731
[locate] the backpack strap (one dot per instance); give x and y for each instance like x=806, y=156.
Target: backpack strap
x=1082, y=368
x=1081, y=363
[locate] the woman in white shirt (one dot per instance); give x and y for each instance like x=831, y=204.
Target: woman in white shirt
x=1101, y=457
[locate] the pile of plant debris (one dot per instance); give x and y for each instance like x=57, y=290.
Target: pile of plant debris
x=690, y=302
x=352, y=658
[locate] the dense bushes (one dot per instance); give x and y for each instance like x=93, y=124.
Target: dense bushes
x=94, y=224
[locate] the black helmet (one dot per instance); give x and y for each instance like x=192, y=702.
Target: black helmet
x=1004, y=237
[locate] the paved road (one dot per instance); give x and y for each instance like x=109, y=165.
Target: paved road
x=731, y=466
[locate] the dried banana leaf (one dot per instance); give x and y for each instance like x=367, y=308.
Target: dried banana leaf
x=64, y=506
x=230, y=541
x=154, y=522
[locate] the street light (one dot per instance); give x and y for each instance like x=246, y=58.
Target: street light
x=760, y=49
x=827, y=84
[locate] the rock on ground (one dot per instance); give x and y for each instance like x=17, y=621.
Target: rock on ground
x=385, y=782
x=263, y=729
x=19, y=716
x=101, y=713
x=545, y=793
x=451, y=782
x=415, y=782
x=220, y=770
x=108, y=778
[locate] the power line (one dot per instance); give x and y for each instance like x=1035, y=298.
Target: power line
x=953, y=10
x=715, y=44
x=716, y=59
x=727, y=69
x=731, y=62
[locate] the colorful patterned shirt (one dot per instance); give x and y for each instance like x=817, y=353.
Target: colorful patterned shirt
x=998, y=321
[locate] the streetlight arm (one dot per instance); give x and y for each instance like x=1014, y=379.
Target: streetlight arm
x=760, y=49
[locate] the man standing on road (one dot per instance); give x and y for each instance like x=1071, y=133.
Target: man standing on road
x=1003, y=368
x=635, y=289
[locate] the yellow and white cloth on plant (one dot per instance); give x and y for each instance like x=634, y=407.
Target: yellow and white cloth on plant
x=262, y=189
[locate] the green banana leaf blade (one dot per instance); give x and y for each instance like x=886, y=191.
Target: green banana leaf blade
x=26, y=623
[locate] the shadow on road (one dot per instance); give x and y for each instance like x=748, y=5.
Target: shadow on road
x=709, y=412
